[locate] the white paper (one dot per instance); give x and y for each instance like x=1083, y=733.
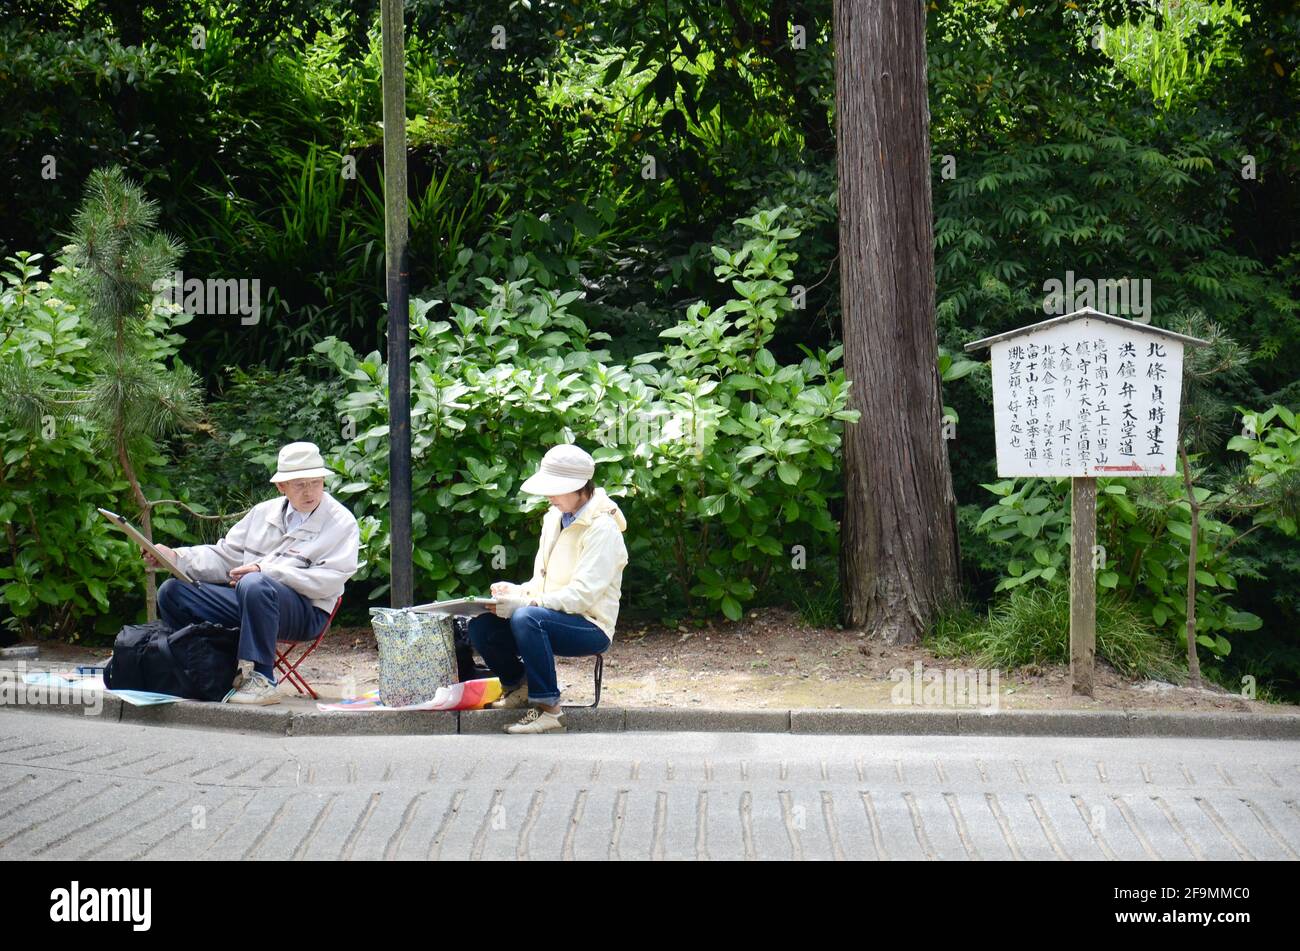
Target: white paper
x=1087, y=398
x=461, y=606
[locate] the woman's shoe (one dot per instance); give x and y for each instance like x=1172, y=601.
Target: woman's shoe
x=538, y=721
x=514, y=699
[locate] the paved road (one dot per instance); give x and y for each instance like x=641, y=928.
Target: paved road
x=73, y=789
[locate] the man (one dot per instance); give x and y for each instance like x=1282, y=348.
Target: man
x=276, y=575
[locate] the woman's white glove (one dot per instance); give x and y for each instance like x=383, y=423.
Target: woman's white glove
x=510, y=598
x=508, y=606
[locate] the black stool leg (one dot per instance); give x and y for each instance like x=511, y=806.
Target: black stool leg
x=600, y=673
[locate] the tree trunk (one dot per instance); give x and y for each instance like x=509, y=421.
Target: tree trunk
x=146, y=527
x=899, y=559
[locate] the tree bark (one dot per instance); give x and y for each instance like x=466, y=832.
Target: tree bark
x=146, y=525
x=899, y=557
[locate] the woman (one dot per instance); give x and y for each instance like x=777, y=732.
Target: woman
x=569, y=607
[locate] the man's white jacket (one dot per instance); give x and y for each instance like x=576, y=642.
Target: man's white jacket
x=315, y=559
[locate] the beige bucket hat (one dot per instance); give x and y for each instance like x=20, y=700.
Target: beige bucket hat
x=564, y=468
x=299, y=460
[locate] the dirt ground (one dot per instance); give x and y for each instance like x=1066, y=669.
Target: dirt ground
x=771, y=659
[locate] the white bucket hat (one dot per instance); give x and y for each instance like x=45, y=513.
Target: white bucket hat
x=564, y=468
x=299, y=460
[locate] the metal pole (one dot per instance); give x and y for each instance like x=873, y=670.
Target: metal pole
x=399, y=337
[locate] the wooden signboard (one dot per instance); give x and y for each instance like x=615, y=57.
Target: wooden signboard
x=1086, y=395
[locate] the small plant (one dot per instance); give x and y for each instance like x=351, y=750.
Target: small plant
x=1032, y=626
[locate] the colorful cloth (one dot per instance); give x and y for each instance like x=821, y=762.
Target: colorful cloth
x=470, y=695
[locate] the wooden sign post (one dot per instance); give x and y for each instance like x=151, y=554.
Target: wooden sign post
x=1086, y=395
x=1083, y=583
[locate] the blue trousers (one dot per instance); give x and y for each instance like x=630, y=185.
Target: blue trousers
x=526, y=645
x=264, y=610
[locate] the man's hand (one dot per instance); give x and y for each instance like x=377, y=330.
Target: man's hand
x=237, y=573
x=153, y=562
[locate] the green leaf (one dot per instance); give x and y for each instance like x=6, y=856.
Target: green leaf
x=712, y=505
x=1030, y=525
x=1244, y=621
x=789, y=473
x=584, y=220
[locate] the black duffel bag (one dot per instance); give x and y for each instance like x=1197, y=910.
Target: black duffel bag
x=197, y=662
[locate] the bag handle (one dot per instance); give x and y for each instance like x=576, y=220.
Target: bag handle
x=164, y=641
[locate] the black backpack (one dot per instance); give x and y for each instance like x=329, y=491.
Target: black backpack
x=197, y=662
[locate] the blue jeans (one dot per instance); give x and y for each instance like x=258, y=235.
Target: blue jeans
x=527, y=644
x=264, y=610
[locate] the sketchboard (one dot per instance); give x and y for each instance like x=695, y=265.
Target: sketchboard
x=134, y=534
x=465, y=607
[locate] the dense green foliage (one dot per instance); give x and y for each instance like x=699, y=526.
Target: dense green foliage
x=61, y=562
x=568, y=187
x=703, y=441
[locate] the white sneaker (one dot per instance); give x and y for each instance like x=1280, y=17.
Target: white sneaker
x=257, y=690
x=242, y=672
x=539, y=721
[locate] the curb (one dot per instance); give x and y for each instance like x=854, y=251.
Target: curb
x=280, y=721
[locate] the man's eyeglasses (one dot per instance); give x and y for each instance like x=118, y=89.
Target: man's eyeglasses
x=302, y=485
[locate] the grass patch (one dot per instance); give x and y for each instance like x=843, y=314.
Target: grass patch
x=1032, y=626
x=819, y=604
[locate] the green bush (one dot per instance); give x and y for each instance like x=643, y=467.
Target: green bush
x=225, y=467
x=722, y=459
x=61, y=564
x=1144, y=527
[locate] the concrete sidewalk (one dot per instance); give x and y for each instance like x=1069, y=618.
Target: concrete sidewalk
x=297, y=717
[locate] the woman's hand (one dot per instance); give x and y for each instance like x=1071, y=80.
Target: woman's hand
x=510, y=598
